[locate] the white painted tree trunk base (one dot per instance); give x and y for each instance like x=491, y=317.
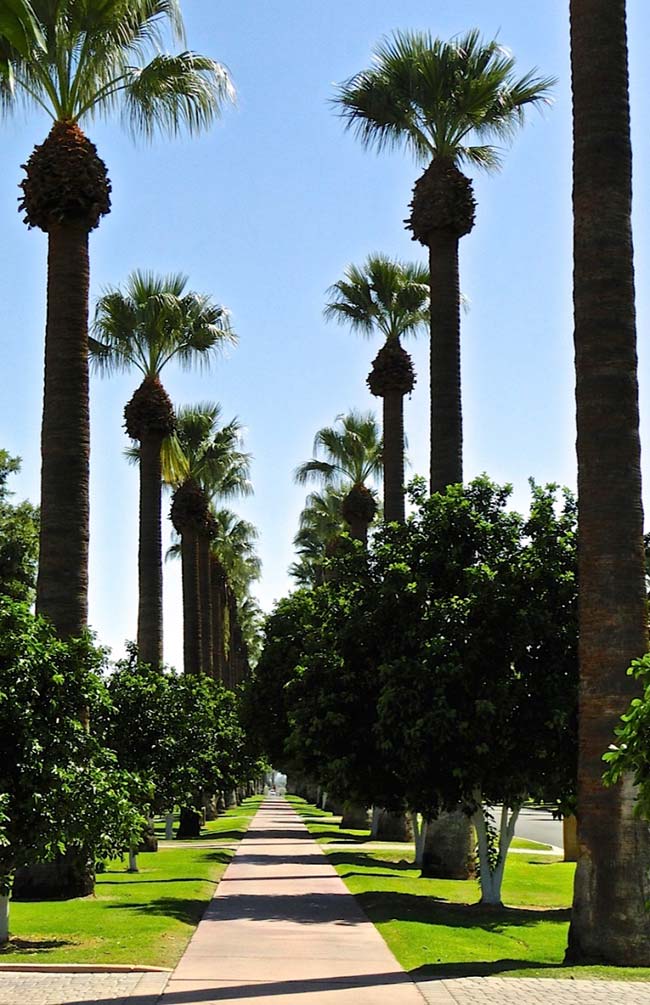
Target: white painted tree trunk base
x=133, y=862
x=169, y=827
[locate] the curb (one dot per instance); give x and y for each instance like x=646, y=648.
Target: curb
x=83, y=968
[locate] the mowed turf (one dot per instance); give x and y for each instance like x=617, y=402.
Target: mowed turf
x=142, y=918
x=436, y=927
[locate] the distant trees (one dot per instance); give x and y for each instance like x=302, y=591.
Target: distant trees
x=153, y=321
x=351, y=456
x=18, y=538
x=391, y=298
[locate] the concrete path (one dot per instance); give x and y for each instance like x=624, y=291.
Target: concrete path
x=282, y=928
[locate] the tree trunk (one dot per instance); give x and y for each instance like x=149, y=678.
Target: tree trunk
x=393, y=409
x=610, y=921
x=169, y=827
x=150, y=578
x=133, y=861
x=68, y=876
x=189, y=825
x=4, y=918
x=446, y=408
x=205, y=605
x=218, y=649
x=491, y=873
x=420, y=827
x=448, y=851
x=393, y=827
x=570, y=838
x=355, y=817
x=62, y=585
x=191, y=601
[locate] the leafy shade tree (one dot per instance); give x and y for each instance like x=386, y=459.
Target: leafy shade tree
x=78, y=62
x=391, y=298
x=446, y=103
x=352, y=454
x=202, y=460
x=180, y=734
x=478, y=700
x=18, y=538
x=610, y=920
x=153, y=321
x=60, y=789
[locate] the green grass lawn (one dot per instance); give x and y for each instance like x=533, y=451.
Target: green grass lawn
x=436, y=928
x=146, y=917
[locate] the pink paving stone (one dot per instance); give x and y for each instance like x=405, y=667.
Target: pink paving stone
x=282, y=927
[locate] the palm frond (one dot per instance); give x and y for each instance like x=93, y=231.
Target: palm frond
x=185, y=92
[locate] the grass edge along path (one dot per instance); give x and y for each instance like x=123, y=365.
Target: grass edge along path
x=144, y=918
x=435, y=928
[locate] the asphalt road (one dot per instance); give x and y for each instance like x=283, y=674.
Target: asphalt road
x=539, y=825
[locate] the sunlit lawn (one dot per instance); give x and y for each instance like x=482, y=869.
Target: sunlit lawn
x=435, y=927
x=142, y=918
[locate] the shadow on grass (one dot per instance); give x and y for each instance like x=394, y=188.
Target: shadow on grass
x=141, y=882
x=27, y=946
x=478, y=968
x=362, y=862
x=382, y=906
x=189, y=910
x=231, y=835
x=339, y=838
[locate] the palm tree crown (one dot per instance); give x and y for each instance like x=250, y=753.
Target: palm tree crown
x=382, y=295
x=447, y=100
x=207, y=453
x=155, y=319
x=80, y=59
x=353, y=453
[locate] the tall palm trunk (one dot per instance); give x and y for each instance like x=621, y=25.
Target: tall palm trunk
x=393, y=411
x=446, y=407
x=391, y=378
x=442, y=211
x=62, y=585
x=232, y=639
x=218, y=618
x=150, y=580
x=205, y=604
x=192, y=647
x=610, y=920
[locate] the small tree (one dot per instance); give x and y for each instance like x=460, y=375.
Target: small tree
x=60, y=790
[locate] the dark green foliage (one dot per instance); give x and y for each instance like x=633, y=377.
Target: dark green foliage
x=438, y=667
x=59, y=788
x=630, y=753
x=18, y=538
x=181, y=733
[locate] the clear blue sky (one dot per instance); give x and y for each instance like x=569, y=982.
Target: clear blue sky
x=264, y=213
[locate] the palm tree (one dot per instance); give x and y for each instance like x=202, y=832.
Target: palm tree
x=211, y=463
x=392, y=298
x=233, y=567
x=352, y=455
x=321, y=524
x=77, y=62
x=610, y=920
x=153, y=321
x=445, y=102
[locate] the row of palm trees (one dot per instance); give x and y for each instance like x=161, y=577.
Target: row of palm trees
x=78, y=62
x=152, y=322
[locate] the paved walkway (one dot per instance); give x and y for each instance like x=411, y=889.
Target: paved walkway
x=282, y=929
